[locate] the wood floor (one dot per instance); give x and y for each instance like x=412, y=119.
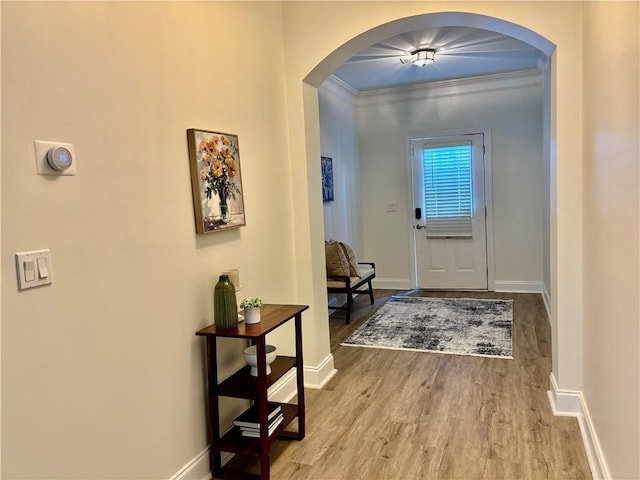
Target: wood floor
x=410, y=415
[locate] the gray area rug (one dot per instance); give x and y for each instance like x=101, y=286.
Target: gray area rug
x=460, y=326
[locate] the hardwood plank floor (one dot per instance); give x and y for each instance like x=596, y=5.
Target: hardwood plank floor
x=414, y=415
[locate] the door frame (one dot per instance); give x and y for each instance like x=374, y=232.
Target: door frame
x=488, y=194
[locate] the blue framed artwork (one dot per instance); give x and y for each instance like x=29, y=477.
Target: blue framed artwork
x=327, y=179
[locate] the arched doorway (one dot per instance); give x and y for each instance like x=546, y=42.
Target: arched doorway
x=358, y=43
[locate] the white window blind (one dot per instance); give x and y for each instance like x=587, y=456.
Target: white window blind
x=448, y=201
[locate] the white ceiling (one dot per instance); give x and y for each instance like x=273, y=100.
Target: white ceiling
x=460, y=52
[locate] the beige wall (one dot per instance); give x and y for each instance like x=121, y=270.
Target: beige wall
x=611, y=225
x=102, y=376
x=101, y=373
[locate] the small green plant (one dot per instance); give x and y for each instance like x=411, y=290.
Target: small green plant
x=252, y=302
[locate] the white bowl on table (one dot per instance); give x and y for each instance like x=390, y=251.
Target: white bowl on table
x=251, y=358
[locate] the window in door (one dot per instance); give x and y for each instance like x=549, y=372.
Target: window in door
x=448, y=191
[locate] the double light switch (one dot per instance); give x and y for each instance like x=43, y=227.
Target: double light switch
x=33, y=268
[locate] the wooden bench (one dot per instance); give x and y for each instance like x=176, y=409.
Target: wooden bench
x=350, y=285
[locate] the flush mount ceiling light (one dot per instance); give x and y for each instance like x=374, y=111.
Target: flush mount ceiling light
x=421, y=57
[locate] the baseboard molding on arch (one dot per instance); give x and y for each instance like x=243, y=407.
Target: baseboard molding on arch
x=571, y=403
x=314, y=377
x=317, y=377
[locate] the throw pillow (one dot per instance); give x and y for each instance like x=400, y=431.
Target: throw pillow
x=337, y=263
x=354, y=270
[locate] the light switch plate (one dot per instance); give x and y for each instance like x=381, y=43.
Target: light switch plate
x=34, y=268
x=42, y=165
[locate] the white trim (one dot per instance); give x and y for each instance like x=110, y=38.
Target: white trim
x=317, y=377
x=595, y=455
x=488, y=203
x=340, y=88
x=314, y=377
x=455, y=87
x=546, y=298
x=517, y=286
x=198, y=467
x=571, y=403
x=564, y=403
x=195, y=469
x=413, y=268
x=285, y=388
x=393, y=283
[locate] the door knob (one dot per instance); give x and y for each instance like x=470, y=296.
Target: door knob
x=420, y=227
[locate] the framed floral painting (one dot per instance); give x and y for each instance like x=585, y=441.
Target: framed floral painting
x=216, y=180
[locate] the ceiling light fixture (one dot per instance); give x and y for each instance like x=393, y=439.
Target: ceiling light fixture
x=421, y=57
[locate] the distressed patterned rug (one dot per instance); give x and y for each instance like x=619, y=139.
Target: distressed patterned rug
x=459, y=326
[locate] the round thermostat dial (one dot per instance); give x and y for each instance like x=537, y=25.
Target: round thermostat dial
x=59, y=158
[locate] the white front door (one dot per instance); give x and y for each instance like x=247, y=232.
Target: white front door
x=449, y=212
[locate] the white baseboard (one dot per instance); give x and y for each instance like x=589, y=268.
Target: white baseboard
x=317, y=377
x=196, y=469
x=392, y=283
x=517, y=286
x=546, y=298
x=564, y=403
x=281, y=391
x=571, y=403
x=314, y=377
x=284, y=389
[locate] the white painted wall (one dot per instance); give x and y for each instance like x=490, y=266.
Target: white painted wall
x=510, y=107
x=342, y=217
x=611, y=212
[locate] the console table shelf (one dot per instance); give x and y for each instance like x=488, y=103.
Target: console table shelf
x=234, y=442
x=243, y=385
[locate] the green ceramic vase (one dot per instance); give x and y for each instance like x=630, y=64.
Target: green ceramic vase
x=225, y=310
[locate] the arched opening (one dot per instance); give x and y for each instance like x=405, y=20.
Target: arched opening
x=352, y=47
x=428, y=20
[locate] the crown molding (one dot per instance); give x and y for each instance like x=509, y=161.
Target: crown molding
x=339, y=87
x=458, y=86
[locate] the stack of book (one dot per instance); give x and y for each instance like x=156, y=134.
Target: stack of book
x=250, y=425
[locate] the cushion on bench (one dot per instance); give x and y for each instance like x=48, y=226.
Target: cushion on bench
x=336, y=259
x=341, y=260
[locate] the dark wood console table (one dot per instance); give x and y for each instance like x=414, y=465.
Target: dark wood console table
x=242, y=385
